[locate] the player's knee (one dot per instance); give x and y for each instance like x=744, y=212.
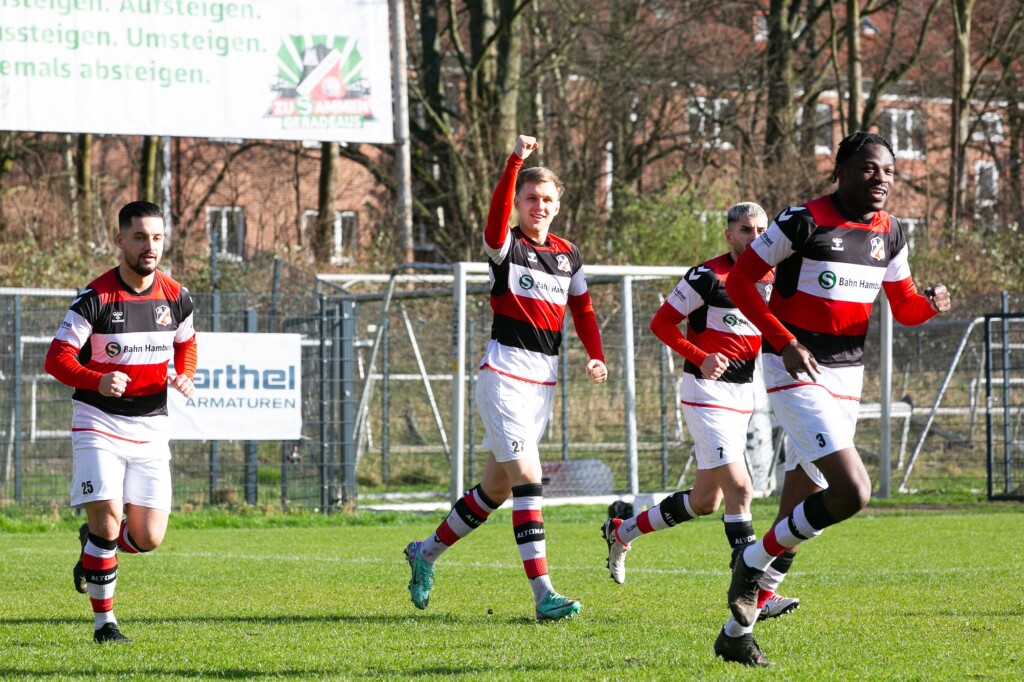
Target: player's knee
x=852, y=498
x=740, y=495
x=496, y=492
x=705, y=503
x=148, y=539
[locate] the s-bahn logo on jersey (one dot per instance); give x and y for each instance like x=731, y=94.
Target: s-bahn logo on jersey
x=526, y=282
x=877, y=248
x=112, y=349
x=163, y=315
x=827, y=279
x=563, y=262
x=731, y=320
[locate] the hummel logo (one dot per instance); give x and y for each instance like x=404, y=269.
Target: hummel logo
x=837, y=243
x=696, y=273
x=788, y=213
x=82, y=293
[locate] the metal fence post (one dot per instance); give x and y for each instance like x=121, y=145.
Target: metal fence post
x=17, y=398
x=324, y=393
x=214, y=445
x=385, y=404
x=471, y=396
x=663, y=407
x=885, y=400
x=563, y=387
x=251, y=451
x=1007, y=412
x=284, y=475
x=346, y=354
x=629, y=372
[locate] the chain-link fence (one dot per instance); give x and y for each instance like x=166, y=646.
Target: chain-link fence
x=939, y=395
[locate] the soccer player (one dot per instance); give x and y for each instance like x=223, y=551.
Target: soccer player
x=113, y=348
x=717, y=394
x=534, y=276
x=831, y=256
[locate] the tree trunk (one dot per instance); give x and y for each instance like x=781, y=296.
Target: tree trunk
x=960, y=112
x=509, y=73
x=66, y=143
x=853, y=66
x=83, y=182
x=1015, y=155
x=323, y=239
x=149, y=181
x=779, y=123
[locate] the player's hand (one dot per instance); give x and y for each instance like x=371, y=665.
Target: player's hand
x=714, y=366
x=184, y=384
x=797, y=359
x=114, y=384
x=938, y=297
x=525, y=146
x=597, y=371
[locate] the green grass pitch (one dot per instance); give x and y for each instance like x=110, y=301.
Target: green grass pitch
x=888, y=595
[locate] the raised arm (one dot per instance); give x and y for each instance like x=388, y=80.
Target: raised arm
x=503, y=198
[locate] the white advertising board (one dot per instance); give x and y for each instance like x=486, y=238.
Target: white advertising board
x=256, y=69
x=248, y=387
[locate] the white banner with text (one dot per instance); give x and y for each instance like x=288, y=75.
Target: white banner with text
x=248, y=387
x=259, y=69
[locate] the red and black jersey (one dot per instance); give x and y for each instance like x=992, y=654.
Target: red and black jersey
x=110, y=328
x=828, y=272
x=531, y=286
x=713, y=323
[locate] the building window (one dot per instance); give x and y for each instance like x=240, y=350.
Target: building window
x=822, y=131
x=904, y=128
x=706, y=121
x=225, y=227
x=986, y=194
x=988, y=127
x=345, y=235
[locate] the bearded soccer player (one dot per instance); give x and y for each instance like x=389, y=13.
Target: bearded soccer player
x=831, y=256
x=534, y=277
x=114, y=347
x=717, y=394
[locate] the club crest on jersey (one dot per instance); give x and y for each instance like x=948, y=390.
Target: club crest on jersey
x=563, y=262
x=837, y=243
x=163, y=315
x=877, y=248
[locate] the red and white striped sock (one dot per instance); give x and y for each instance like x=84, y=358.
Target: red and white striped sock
x=466, y=516
x=673, y=510
x=528, y=527
x=99, y=560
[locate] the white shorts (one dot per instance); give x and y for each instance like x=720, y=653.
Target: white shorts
x=819, y=418
x=717, y=414
x=107, y=469
x=515, y=414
